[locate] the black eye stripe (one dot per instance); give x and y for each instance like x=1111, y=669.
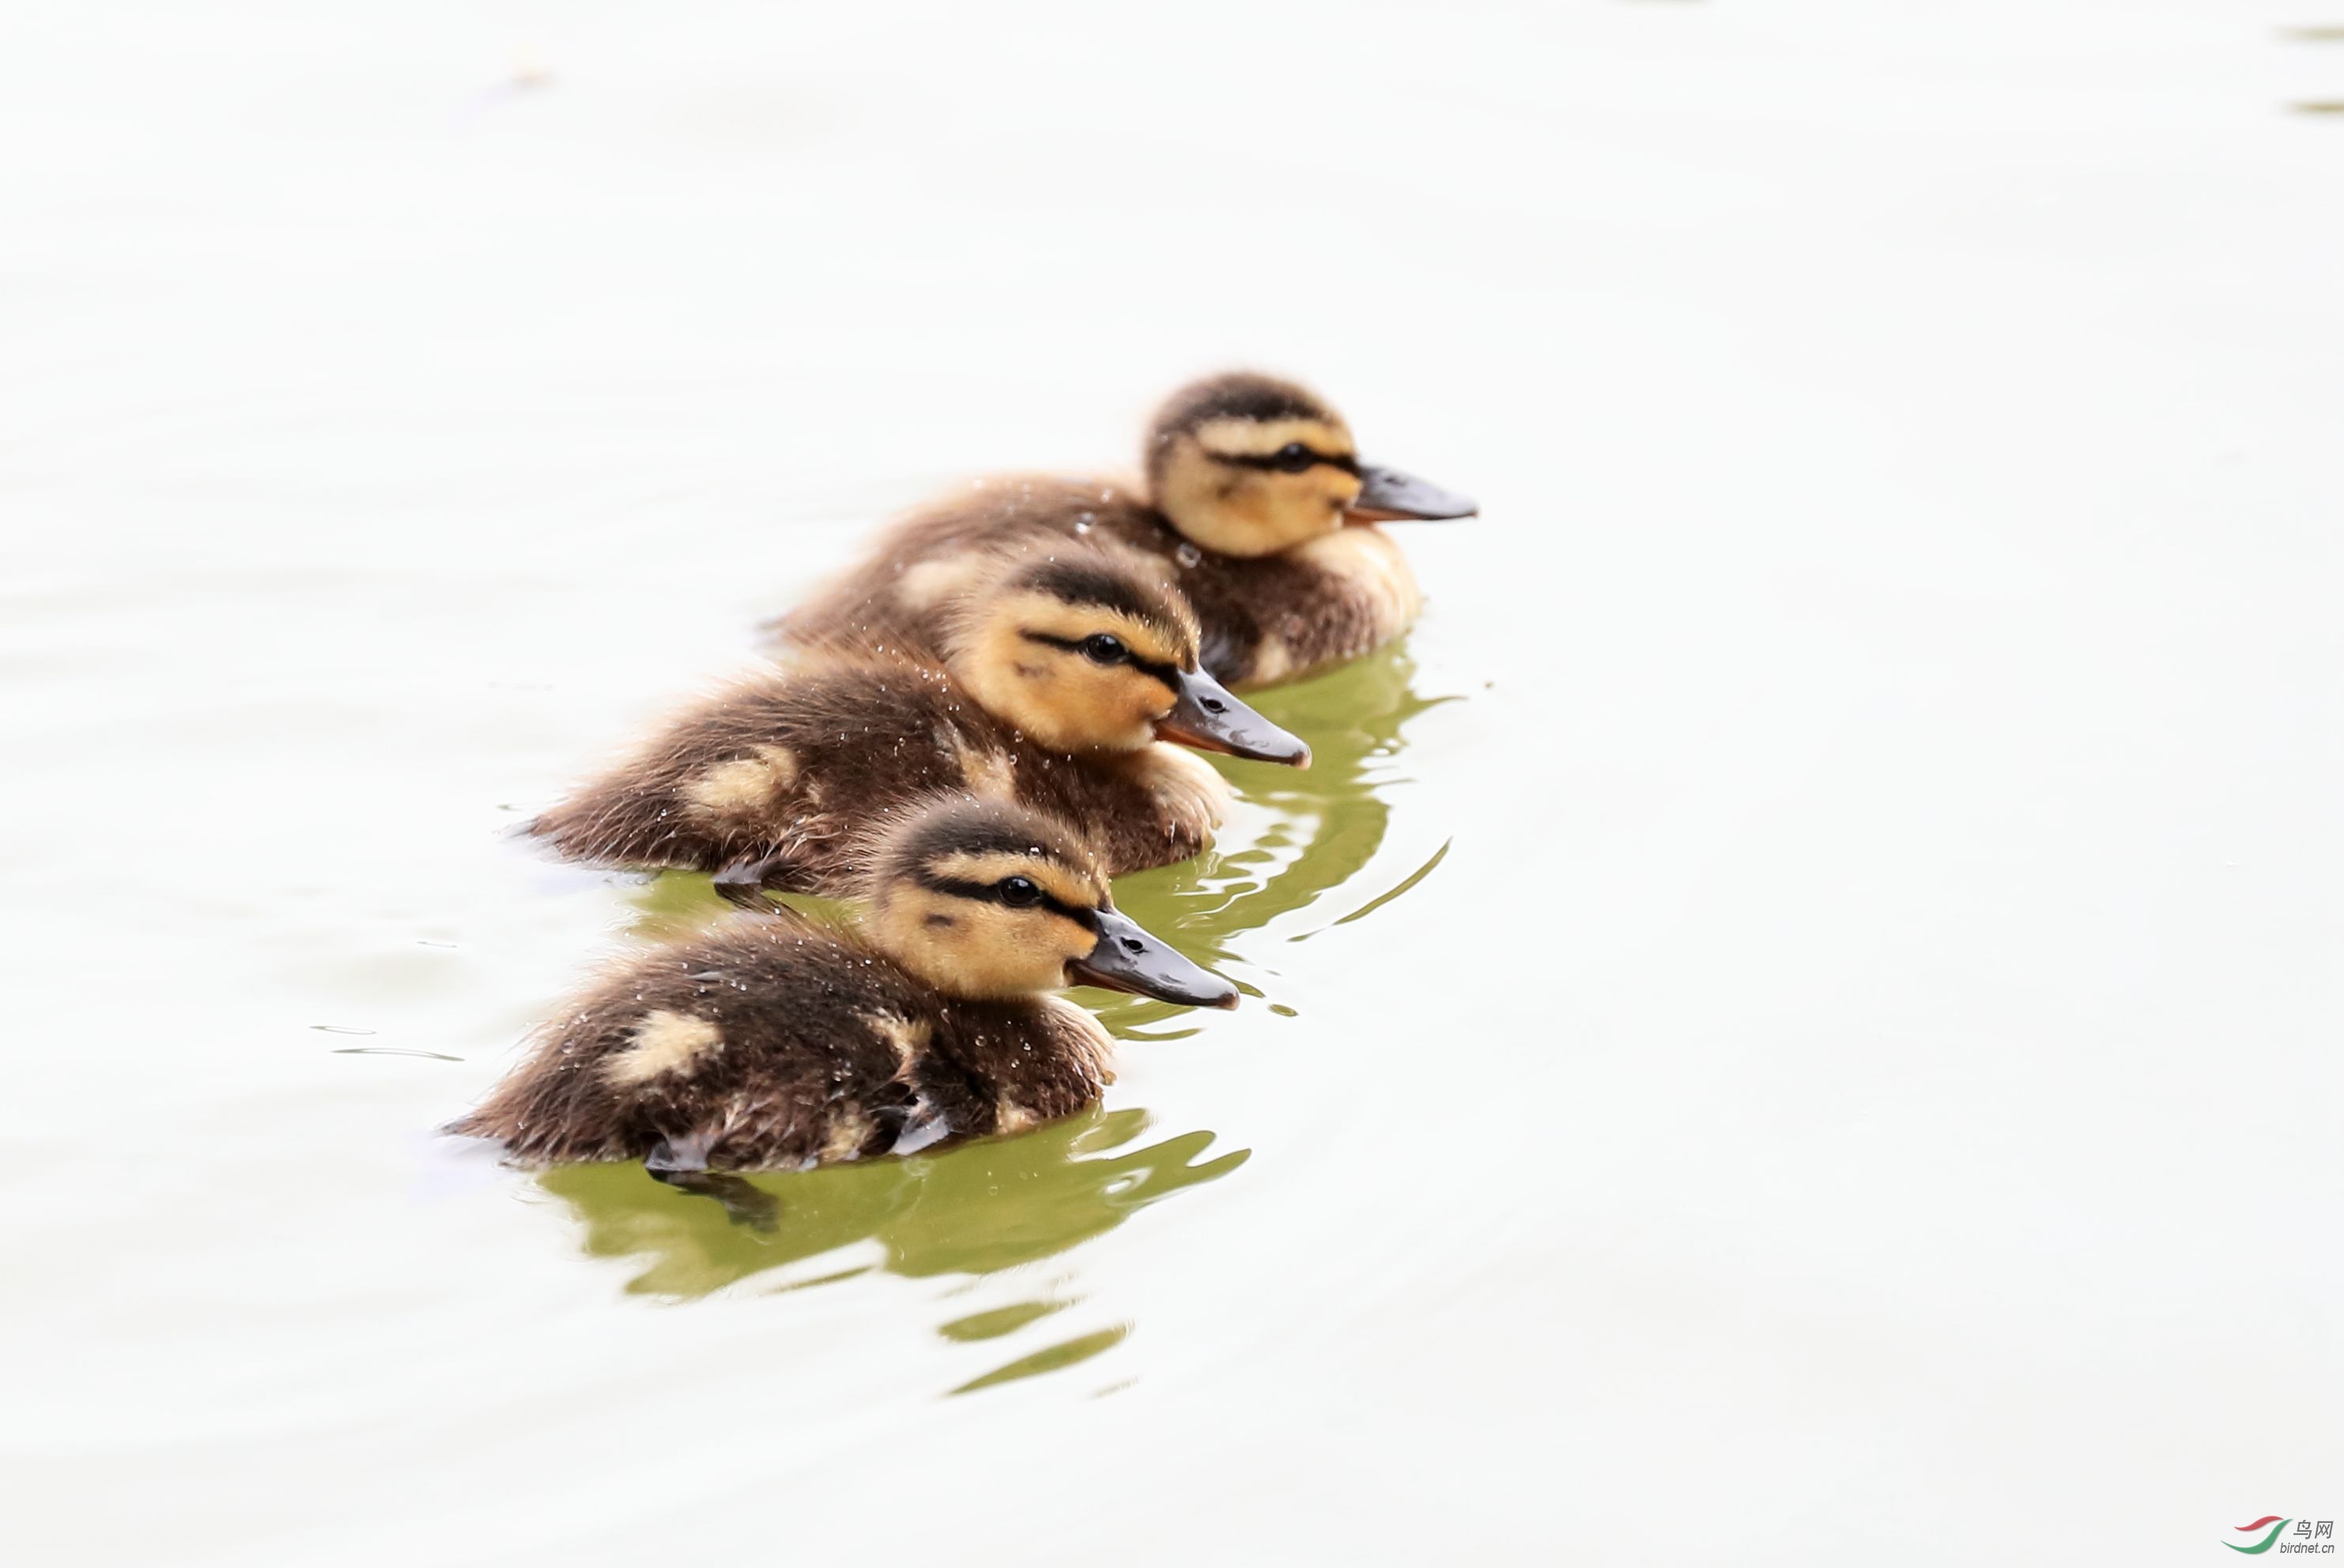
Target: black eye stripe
x=990, y=893
x=1273, y=462
x=1170, y=674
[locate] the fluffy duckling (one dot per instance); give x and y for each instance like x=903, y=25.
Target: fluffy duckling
x=1062, y=665
x=777, y=1042
x=1259, y=503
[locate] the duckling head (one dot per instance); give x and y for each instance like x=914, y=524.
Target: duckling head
x=1248, y=465
x=980, y=900
x=1090, y=649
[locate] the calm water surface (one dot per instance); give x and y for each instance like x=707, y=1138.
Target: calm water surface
x=1796, y=1012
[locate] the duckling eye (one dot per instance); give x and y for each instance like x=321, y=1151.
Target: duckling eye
x=1018, y=892
x=1103, y=647
x=1294, y=457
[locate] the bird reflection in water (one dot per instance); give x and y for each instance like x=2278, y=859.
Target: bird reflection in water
x=972, y=1209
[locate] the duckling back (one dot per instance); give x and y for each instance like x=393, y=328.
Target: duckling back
x=787, y=766
x=775, y=1042
x=902, y=595
x=777, y=779
x=1263, y=618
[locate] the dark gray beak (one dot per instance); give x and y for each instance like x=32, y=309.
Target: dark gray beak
x=1128, y=959
x=1388, y=496
x=1205, y=716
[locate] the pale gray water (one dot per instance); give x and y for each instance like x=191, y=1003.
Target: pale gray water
x=1861, y=1080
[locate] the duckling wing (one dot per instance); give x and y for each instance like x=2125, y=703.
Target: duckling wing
x=899, y=597
x=789, y=769
x=768, y=1043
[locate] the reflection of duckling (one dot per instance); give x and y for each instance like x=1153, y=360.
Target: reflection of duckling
x=778, y=1042
x=1062, y=665
x=972, y=1210
x=1253, y=481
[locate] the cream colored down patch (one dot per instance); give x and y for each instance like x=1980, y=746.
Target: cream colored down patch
x=925, y=585
x=908, y=1038
x=850, y=1130
x=989, y=774
x=745, y=787
x=1365, y=558
x=1272, y=661
x=664, y=1042
x=1183, y=784
x=1090, y=1035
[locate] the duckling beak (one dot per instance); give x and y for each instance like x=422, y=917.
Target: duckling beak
x=1205, y=715
x=1128, y=959
x=1388, y=496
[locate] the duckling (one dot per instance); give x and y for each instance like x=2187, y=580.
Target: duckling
x=1062, y=663
x=776, y=1041
x=1255, y=494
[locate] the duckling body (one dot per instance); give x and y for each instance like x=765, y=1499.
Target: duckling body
x=1057, y=667
x=782, y=771
x=1263, y=619
x=1255, y=503
x=774, y=1041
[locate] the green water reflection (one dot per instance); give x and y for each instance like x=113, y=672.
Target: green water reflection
x=1327, y=822
x=994, y=1204
x=972, y=1210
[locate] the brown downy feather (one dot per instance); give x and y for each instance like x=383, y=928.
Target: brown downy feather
x=796, y=762
x=1264, y=618
x=777, y=1042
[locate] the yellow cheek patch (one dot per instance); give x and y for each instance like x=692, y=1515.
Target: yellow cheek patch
x=1107, y=707
x=664, y=1044
x=1134, y=695
x=1011, y=677
x=1337, y=488
x=971, y=948
x=1057, y=695
x=1250, y=511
